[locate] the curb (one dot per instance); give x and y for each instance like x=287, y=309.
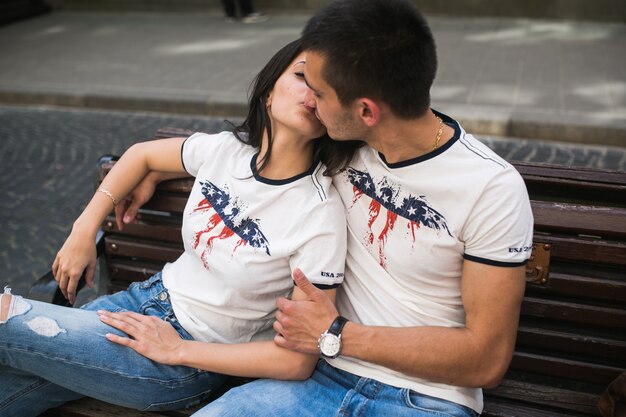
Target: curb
x=96, y=101
x=571, y=127
x=601, y=129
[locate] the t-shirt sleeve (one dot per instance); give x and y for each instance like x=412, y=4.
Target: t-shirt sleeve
x=322, y=254
x=500, y=229
x=200, y=147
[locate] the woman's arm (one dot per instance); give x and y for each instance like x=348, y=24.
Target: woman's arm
x=78, y=253
x=157, y=340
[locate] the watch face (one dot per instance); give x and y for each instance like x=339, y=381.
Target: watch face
x=330, y=345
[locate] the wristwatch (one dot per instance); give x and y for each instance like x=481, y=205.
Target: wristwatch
x=330, y=341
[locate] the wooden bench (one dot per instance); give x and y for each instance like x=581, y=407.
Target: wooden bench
x=572, y=337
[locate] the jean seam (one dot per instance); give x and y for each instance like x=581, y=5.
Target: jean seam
x=22, y=392
x=409, y=403
x=188, y=401
x=172, y=382
x=346, y=401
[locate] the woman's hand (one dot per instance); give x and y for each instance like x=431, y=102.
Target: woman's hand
x=77, y=254
x=128, y=211
x=149, y=336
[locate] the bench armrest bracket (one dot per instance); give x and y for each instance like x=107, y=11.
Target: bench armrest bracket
x=538, y=266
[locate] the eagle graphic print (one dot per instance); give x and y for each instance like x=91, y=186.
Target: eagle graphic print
x=225, y=221
x=387, y=204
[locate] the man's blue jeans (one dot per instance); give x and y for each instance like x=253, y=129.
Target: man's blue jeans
x=51, y=354
x=330, y=392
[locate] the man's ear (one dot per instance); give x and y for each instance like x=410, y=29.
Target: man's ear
x=369, y=111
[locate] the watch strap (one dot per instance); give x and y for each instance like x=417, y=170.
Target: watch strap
x=337, y=326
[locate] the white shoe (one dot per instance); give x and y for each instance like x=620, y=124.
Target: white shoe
x=255, y=17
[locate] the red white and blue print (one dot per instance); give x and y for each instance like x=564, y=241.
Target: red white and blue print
x=227, y=212
x=384, y=194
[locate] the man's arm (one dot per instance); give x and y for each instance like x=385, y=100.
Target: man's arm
x=476, y=355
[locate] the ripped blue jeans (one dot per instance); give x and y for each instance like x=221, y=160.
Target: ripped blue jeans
x=51, y=354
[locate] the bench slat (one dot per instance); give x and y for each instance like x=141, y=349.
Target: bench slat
x=173, y=203
x=572, y=343
x=579, y=219
x=566, y=190
x=565, y=368
x=123, y=272
x=584, y=249
x=157, y=251
x=149, y=227
x=182, y=186
x=497, y=409
x=560, y=398
x=544, y=172
x=582, y=287
x=574, y=312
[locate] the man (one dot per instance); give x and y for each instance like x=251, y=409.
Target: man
x=439, y=231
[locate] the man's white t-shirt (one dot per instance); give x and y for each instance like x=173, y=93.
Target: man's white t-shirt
x=243, y=235
x=410, y=227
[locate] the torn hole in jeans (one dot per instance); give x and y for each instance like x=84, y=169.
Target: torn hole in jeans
x=11, y=305
x=45, y=326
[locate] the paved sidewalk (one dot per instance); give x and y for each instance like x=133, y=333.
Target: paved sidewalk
x=517, y=78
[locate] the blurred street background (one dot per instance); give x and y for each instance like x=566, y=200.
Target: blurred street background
x=535, y=80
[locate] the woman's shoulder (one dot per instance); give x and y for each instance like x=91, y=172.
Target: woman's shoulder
x=324, y=189
x=215, y=136
x=214, y=141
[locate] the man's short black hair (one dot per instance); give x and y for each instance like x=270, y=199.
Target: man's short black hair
x=381, y=49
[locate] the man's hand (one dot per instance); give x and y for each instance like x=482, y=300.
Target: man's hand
x=299, y=324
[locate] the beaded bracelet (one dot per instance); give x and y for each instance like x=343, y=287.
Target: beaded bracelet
x=108, y=193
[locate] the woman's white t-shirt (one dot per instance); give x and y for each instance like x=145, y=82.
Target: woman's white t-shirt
x=244, y=235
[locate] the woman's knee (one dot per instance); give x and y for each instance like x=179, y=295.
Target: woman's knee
x=11, y=306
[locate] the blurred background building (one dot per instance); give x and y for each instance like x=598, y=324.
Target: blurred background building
x=591, y=10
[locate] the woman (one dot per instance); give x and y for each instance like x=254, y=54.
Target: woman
x=260, y=208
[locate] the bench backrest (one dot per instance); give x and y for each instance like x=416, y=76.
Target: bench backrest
x=572, y=336
x=571, y=340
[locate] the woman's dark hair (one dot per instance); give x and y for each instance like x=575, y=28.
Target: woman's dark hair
x=381, y=49
x=335, y=155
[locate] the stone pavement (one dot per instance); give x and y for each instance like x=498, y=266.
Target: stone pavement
x=507, y=77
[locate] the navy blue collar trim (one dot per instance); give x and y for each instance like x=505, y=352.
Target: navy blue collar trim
x=268, y=181
x=457, y=134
